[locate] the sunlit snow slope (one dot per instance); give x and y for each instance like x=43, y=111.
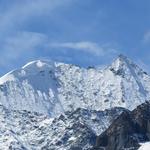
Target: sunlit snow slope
x=145, y=146
x=52, y=88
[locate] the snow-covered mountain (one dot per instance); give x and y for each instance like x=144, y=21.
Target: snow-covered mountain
x=47, y=105
x=52, y=88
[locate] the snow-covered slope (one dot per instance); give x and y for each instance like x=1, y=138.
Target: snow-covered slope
x=51, y=88
x=145, y=146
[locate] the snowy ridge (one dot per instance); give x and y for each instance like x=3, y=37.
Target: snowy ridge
x=52, y=88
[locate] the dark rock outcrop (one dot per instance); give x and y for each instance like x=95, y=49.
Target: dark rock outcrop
x=127, y=131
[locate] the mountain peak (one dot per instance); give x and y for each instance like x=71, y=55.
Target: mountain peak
x=122, y=59
x=123, y=64
x=37, y=64
x=125, y=68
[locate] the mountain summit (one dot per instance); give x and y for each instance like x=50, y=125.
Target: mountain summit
x=125, y=66
x=51, y=88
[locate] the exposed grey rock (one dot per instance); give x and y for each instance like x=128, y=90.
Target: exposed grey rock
x=128, y=130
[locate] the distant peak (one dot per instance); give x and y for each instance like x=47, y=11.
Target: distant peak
x=122, y=64
x=121, y=56
x=121, y=60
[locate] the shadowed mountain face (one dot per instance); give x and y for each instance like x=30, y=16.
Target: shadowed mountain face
x=128, y=130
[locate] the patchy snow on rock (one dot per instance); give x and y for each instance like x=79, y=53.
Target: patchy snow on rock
x=33, y=131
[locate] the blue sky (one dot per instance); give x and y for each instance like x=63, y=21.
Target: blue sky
x=82, y=32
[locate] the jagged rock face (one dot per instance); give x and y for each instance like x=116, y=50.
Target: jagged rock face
x=128, y=130
x=23, y=130
x=52, y=88
x=141, y=115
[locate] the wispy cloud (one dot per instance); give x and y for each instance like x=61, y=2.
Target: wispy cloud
x=30, y=44
x=146, y=38
x=16, y=40
x=85, y=46
x=21, y=45
x=23, y=39
x=22, y=11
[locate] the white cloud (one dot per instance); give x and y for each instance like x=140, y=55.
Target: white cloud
x=85, y=46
